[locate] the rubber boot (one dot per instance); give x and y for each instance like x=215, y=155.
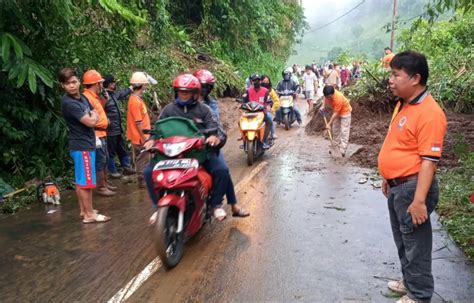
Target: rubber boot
x=102, y=188
x=109, y=185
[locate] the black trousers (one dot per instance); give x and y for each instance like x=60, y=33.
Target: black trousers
x=116, y=147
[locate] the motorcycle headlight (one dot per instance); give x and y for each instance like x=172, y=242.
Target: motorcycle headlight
x=174, y=149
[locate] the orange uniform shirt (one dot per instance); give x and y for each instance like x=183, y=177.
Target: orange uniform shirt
x=416, y=132
x=137, y=112
x=387, y=59
x=339, y=104
x=103, y=123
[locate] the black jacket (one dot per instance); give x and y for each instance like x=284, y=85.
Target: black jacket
x=214, y=106
x=198, y=112
x=290, y=86
x=112, y=110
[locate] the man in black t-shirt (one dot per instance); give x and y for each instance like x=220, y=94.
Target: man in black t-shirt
x=80, y=119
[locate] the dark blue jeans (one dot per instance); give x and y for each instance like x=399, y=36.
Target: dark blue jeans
x=414, y=244
x=221, y=181
x=116, y=147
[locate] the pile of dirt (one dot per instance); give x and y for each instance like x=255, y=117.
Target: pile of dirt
x=229, y=112
x=369, y=127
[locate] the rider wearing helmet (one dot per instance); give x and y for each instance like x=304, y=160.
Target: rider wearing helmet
x=208, y=80
x=187, y=91
x=259, y=94
x=286, y=87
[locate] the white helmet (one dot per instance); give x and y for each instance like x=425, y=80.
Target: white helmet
x=139, y=78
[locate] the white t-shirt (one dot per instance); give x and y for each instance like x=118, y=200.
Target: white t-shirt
x=309, y=81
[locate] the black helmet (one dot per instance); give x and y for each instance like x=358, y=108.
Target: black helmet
x=255, y=77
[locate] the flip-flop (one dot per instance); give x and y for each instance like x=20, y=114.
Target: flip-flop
x=95, y=211
x=219, y=214
x=98, y=219
x=153, y=218
x=241, y=213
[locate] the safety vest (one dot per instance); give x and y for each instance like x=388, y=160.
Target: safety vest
x=257, y=95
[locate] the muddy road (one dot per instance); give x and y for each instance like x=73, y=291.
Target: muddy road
x=314, y=235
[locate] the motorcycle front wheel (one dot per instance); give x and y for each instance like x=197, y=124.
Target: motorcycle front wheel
x=168, y=243
x=250, y=152
x=286, y=121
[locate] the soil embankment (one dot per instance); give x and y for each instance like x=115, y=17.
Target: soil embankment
x=369, y=128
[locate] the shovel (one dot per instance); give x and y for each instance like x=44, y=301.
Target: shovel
x=334, y=149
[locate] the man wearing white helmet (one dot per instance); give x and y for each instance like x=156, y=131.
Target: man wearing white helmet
x=138, y=120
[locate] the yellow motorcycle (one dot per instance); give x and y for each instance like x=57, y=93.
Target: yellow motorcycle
x=252, y=129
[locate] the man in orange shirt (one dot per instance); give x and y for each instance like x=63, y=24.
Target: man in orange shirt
x=341, y=116
x=92, y=81
x=138, y=120
x=407, y=162
x=387, y=58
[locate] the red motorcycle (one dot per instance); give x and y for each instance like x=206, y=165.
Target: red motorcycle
x=183, y=187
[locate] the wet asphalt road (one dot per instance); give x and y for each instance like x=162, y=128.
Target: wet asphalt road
x=314, y=235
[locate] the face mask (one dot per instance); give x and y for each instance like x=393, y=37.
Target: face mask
x=266, y=85
x=286, y=77
x=205, y=91
x=256, y=85
x=184, y=102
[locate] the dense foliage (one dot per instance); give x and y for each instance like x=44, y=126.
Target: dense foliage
x=454, y=208
x=449, y=46
x=162, y=37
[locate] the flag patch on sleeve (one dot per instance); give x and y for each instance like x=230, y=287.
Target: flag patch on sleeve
x=435, y=147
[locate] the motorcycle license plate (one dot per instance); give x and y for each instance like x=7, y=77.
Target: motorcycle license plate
x=174, y=164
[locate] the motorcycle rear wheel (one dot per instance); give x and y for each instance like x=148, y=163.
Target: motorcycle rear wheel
x=168, y=244
x=250, y=148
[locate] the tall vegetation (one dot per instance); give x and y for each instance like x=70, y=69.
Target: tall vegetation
x=163, y=37
x=449, y=45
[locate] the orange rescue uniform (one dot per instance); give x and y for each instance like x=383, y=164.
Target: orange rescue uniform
x=137, y=112
x=339, y=104
x=103, y=122
x=387, y=59
x=416, y=132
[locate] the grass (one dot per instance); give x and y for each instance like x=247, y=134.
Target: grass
x=455, y=209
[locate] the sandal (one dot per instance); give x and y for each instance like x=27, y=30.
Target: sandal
x=219, y=214
x=95, y=211
x=98, y=219
x=153, y=218
x=241, y=213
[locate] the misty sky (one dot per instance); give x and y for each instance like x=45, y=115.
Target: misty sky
x=371, y=15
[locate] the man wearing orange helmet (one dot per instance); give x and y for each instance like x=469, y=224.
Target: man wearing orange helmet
x=186, y=105
x=208, y=80
x=92, y=81
x=138, y=120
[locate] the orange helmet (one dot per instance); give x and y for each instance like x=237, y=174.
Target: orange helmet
x=91, y=77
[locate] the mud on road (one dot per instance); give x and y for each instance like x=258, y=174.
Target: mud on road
x=314, y=235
